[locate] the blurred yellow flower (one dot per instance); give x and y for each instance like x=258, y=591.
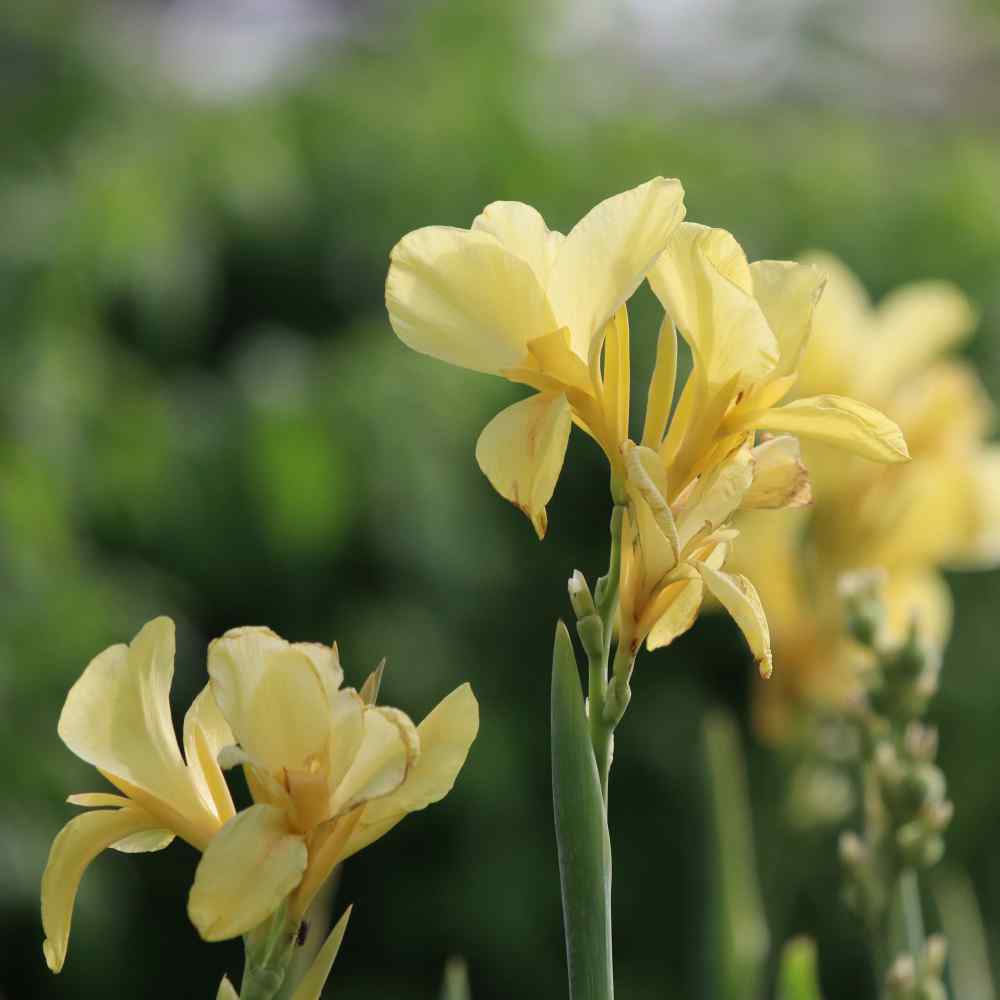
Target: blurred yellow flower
x=747, y=326
x=941, y=509
x=511, y=297
x=117, y=717
x=328, y=773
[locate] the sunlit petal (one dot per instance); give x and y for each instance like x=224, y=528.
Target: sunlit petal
x=206, y=732
x=521, y=229
x=787, y=293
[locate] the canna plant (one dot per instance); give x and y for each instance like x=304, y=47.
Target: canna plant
x=511, y=297
x=329, y=772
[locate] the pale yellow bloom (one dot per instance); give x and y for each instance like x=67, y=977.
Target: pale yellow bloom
x=511, y=297
x=117, y=717
x=747, y=326
x=328, y=774
x=942, y=509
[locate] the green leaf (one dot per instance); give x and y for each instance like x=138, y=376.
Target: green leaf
x=797, y=976
x=581, y=833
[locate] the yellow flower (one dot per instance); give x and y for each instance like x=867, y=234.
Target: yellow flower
x=747, y=326
x=511, y=297
x=941, y=509
x=117, y=717
x=328, y=774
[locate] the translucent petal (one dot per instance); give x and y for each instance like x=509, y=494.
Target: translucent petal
x=379, y=766
x=779, y=479
x=206, y=732
x=521, y=452
x=459, y=296
x=606, y=255
x=787, y=293
x=248, y=869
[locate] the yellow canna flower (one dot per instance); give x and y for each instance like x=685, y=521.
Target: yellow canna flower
x=942, y=509
x=747, y=326
x=510, y=297
x=117, y=717
x=328, y=773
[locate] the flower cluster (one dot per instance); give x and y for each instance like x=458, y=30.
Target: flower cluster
x=329, y=772
x=511, y=297
x=942, y=509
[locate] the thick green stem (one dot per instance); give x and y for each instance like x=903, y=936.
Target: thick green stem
x=269, y=949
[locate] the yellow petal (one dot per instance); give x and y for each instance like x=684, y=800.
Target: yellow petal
x=117, y=717
x=654, y=523
x=704, y=283
x=787, y=293
x=681, y=613
x=206, y=732
x=459, y=296
x=738, y=596
x=521, y=229
x=272, y=696
x=249, y=867
x=838, y=421
x=717, y=495
x=75, y=846
x=661, y=386
x=311, y=986
x=98, y=800
x=347, y=730
x=605, y=257
x=521, y=452
x=779, y=479
x=911, y=327
x=226, y=990
x=379, y=766
x=446, y=735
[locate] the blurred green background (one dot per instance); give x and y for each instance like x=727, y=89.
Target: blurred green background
x=205, y=414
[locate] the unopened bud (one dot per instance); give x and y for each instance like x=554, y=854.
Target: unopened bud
x=936, y=954
x=902, y=976
x=940, y=815
x=580, y=596
x=921, y=741
x=861, y=593
x=852, y=850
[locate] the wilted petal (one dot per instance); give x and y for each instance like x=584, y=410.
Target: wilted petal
x=271, y=695
x=206, y=732
x=311, y=986
x=460, y=296
x=685, y=601
x=521, y=229
x=446, y=735
x=75, y=846
x=839, y=421
x=787, y=293
x=607, y=254
x=117, y=717
x=779, y=479
x=249, y=867
x=738, y=596
x=521, y=452
x=704, y=283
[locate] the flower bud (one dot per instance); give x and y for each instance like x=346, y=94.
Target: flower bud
x=580, y=596
x=861, y=593
x=936, y=954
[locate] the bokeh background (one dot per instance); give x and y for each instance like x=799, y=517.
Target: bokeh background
x=204, y=413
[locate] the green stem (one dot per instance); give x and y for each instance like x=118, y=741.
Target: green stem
x=269, y=949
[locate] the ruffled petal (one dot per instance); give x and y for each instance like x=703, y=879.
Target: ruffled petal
x=75, y=846
x=249, y=867
x=521, y=451
x=446, y=735
x=521, y=229
x=838, y=421
x=459, y=296
x=716, y=496
x=379, y=766
x=607, y=254
x=738, y=596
